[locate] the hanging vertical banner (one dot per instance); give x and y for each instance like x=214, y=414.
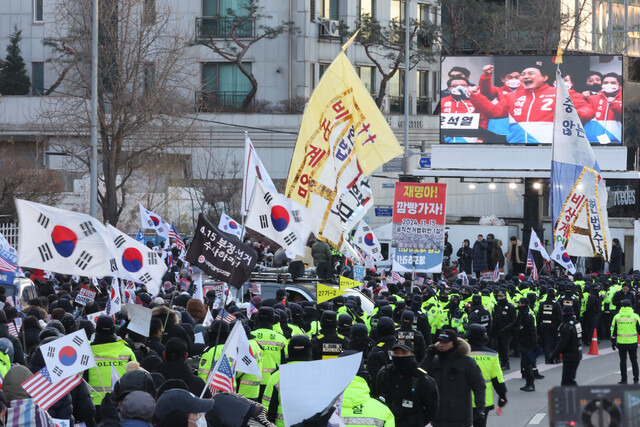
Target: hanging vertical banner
x=418, y=226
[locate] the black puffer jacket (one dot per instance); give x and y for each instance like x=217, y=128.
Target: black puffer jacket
x=457, y=375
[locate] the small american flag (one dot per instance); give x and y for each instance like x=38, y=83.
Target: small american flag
x=496, y=273
x=222, y=378
x=12, y=329
x=173, y=234
x=397, y=277
x=225, y=316
x=255, y=288
x=532, y=265
x=252, y=309
x=44, y=392
x=184, y=283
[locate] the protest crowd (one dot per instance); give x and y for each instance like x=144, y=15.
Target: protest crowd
x=433, y=351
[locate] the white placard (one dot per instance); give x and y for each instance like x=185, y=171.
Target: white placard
x=139, y=319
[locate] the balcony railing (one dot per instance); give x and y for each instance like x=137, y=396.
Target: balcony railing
x=213, y=101
x=220, y=26
x=396, y=104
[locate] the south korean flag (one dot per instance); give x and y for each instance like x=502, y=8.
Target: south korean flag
x=153, y=221
x=280, y=219
x=61, y=241
x=131, y=260
x=68, y=355
x=367, y=242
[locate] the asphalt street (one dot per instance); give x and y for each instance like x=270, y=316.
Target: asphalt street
x=531, y=408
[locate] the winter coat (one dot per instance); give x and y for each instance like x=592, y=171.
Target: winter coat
x=497, y=257
x=18, y=353
x=321, y=252
x=457, y=375
x=479, y=255
x=464, y=259
x=179, y=370
x=516, y=256
x=615, y=265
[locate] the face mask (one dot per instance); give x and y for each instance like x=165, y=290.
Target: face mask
x=595, y=88
x=404, y=364
x=502, y=302
x=610, y=88
x=513, y=83
x=200, y=422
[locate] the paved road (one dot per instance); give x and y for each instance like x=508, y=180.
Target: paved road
x=530, y=409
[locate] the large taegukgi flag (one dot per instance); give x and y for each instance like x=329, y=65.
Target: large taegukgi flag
x=578, y=193
x=343, y=138
x=62, y=241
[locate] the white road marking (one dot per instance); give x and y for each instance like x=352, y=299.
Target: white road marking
x=537, y=418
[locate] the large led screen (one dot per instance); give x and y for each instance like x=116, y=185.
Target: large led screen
x=511, y=99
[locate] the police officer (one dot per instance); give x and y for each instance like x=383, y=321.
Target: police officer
x=108, y=351
x=478, y=314
x=217, y=335
x=625, y=328
x=380, y=354
x=569, y=299
x=328, y=344
x=548, y=319
x=406, y=389
x=569, y=345
x=504, y=316
x=489, y=363
x=406, y=332
x=525, y=331
x=591, y=315
x=299, y=350
x=273, y=344
x=420, y=319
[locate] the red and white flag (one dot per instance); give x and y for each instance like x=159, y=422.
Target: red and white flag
x=532, y=265
x=45, y=394
x=496, y=273
x=222, y=377
x=225, y=316
x=12, y=329
x=397, y=277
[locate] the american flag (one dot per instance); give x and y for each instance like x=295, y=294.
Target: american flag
x=222, y=378
x=496, y=273
x=184, y=283
x=173, y=234
x=44, y=392
x=532, y=265
x=7, y=266
x=252, y=309
x=225, y=316
x=397, y=277
x=255, y=288
x=12, y=329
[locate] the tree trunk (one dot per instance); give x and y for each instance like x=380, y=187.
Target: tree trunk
x=252, y=93
x=382, y=90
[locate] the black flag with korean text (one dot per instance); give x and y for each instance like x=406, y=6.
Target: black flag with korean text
x=221, y=255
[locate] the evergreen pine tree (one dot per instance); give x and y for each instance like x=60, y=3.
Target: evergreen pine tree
x=13, y=74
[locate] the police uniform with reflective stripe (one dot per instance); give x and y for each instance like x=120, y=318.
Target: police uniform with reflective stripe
x=115, y=354
x=489, y=364
x=208, y=360
x=359, y=409
x=274, y=347
x=271, y=397
x=625, y=325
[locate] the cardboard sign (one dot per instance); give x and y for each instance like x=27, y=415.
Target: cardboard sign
x=86, y=295
x=139, y=319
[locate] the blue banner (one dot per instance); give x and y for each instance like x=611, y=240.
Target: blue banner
x=8, y=267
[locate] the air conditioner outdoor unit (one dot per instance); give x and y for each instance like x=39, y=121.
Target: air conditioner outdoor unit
x=329, y=28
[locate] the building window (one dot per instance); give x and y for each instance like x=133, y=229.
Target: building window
x=427, y=13
x=216, y=21
x=224, y=85
x=149, y=12
x=37, y=11
x=330, y=9
x=312, y=10
x=222, y=7
x=312, y=76
x=397, y=10
x=366, y=7
x=149, y=76
x=321, y=69
x=37, y=78
x=368, y=77
x=424, y=100
x=396, y=92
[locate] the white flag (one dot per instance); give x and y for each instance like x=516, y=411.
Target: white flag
x=367, y=242
x=115, y=376
x=131, y=260
x=238, y=349
x=229, y=225
x=561, y=256
x=4, y=244
x=197, y=294
x=61, y=241
x=536, y=245
x=253, y=170
x=68, y=356
x=152, y=221
x=208, y=319
x=280, y=219
x=350, y=252
x=114, y=304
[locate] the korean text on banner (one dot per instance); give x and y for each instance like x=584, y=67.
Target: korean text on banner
x=578, y=193
x=346, y=283
x=221, y=255
x=325, y=293
x=85, y=296
x=343, y=138
x=418, y=226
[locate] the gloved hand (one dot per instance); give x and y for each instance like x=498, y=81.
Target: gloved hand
x=431, y=351
x=478, y=414
x=502, y=401
x=613, y=344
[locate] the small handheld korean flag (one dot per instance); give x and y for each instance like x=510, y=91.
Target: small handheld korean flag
x=536, y=245
x=367, y=242
x=114, y=304
x=229, y=225
x=280, y=219
x=152, y=221
x=68, y=356
x=62, y=241
x=560, y=256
